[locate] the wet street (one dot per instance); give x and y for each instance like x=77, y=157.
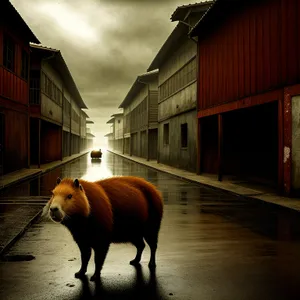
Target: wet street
x=212, y=245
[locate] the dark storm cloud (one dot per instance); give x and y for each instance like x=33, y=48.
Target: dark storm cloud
x=106, y=44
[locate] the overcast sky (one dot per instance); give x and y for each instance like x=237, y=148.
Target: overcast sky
x=106, y=44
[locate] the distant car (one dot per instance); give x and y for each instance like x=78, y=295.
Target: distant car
x=96, y=154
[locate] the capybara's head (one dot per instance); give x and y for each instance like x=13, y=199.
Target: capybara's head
x=68, y=199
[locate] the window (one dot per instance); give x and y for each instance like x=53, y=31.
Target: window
x=75, y=116
x=51, y=90
x=184, y=135
x=119, y=121
x=8, y=53
x=24, y=67
x=67, y=107
x=178, y=80
x=166, y=134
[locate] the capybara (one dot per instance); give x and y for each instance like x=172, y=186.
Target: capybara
x=119, y=209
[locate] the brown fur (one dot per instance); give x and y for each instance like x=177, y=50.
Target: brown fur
x=118, y=209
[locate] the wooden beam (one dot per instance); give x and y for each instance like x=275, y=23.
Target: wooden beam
x=220, y=146
x=287, y=142
x=280, y=146
x=240, y=104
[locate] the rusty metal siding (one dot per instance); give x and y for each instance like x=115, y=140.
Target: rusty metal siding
x=254, y=50
x=16, y=140
x=12, y=86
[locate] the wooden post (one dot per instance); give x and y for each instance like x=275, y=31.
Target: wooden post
x=199, y=152
x=148, y=145
x=287, y=142
x=130, y=146
x=39, y=145
x=220, y=146
x=280, y=147
x=28, y=141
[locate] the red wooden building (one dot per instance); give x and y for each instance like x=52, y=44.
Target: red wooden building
x=15, y=36
x=248, y=87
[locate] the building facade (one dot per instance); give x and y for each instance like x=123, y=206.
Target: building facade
x=140, y=117
x=55, y=107
x=15, y=37
x=177, y=116
x=116, y=140
x=89, y=138
x=248, y=91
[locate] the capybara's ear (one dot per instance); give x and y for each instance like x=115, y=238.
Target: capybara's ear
x=58, y=180
x=76, y=183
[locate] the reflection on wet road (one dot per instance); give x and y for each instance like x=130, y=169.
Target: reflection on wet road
x=212, y=245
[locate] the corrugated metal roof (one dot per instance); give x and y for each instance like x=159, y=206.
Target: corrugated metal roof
x=196, y=27
x=43, y=47
x=61, y=66
x=180, y=31
x=137, y=85
x=188, y=6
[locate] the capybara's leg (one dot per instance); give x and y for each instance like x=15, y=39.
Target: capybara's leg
x=100, y=255
x=151, y=239
x=85, y=252
x=140, y=246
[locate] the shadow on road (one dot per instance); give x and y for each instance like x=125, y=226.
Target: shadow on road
x=139, y=288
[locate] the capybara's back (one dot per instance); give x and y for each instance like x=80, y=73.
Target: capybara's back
x=137, y=209
x=136, y=204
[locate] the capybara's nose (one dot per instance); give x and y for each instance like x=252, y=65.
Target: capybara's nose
x=54, y=209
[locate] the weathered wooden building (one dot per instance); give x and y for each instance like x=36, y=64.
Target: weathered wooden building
x=89, y=138
x=140, y=117
x=248, y=91
x=15, y=36
x=116, y=140
x=55, y=107
x=83, y=123
x=176, y=61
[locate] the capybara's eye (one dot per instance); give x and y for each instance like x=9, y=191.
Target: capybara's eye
x=69, y=196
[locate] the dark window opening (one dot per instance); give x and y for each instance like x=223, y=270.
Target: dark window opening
x=166, y=134
x=119, y=121
x=184, y=135
x=34, y=95
x=8, y=53
x=24, y=69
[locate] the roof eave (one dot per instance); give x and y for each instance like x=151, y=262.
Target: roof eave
x=194, y=31
x=85, y=114
x=137, y=85
x=177, y=32
x=184, y=9
x=76, y=94
x=110, y=121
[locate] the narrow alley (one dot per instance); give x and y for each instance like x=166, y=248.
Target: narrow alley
x=212, y=245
